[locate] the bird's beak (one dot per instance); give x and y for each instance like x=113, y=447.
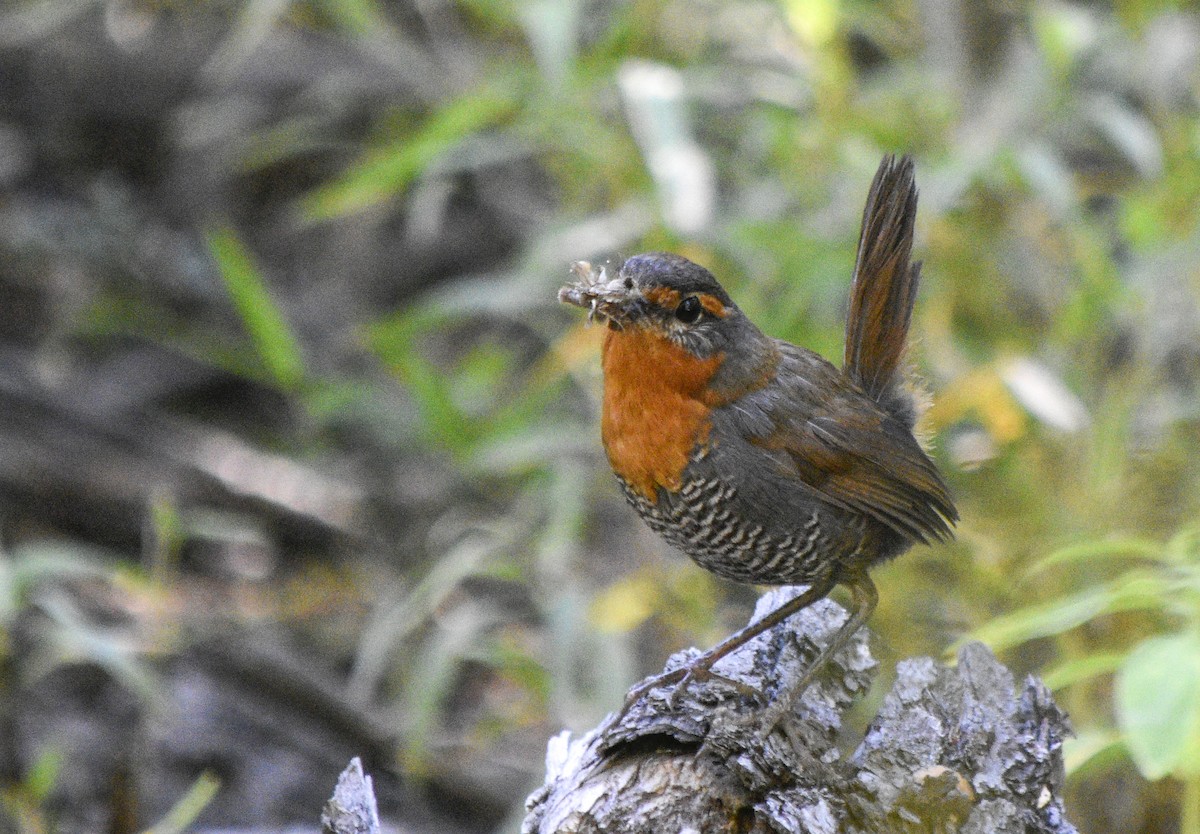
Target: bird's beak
x=611, y=300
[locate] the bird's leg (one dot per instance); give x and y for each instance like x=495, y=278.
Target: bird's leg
x=701, y=667
x=864, y=598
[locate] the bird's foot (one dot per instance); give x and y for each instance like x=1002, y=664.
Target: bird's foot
x=698, y=671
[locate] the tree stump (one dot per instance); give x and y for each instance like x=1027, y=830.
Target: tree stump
x=952, y=749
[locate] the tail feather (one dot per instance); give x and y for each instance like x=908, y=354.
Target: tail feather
x=885, y=284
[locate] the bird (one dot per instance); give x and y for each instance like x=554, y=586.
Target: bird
x=759, y=459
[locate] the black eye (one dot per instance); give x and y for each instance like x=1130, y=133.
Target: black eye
x=689, y=310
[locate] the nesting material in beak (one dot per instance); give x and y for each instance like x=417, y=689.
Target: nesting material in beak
x=605, y=299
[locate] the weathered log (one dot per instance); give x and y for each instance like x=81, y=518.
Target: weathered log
x=951, y=750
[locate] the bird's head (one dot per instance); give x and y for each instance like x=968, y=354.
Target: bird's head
x=666, y=294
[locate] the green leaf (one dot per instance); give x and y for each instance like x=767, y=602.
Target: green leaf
x=277, y=347
x=1122, y=548
x=1090, y=746
x=395, y=620
x=1081, y=669
x=388, y=170
x=1135, y=590
x=1158, y=705
x=184, y=812
x=43, y=775
x=46, y=560
x=1184, y=547
x=399, y=343
x=360, y=18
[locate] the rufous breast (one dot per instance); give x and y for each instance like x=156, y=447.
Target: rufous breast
x=655, y=412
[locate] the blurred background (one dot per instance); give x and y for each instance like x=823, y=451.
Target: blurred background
x=299, y=456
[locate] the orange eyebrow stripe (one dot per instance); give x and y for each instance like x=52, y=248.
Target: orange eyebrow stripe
x=669, y=299
x=664, y=297
x=713, y=305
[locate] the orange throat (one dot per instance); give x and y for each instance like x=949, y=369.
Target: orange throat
x=655, y=412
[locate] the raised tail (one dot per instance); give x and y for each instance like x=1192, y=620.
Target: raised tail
x=884, y=289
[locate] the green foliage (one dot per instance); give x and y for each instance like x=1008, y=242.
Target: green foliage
x=387, y=171
x=478, y=401
x=25, y=802
x=1157, y=677
x=42, y=776
x=188, y=807
x=34, y=578
x=1158, y=705
x=1019, y=266
x=1060, y=198
x=39, y=582
x=276, y=346
x=32, y=567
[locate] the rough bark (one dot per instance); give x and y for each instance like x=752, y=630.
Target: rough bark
x=352, y=808
x=952, y=749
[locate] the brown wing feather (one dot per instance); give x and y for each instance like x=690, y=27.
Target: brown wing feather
x=843, y=462
x=847, y=448
x=885, y=285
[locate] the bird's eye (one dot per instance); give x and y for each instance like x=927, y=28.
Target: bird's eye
x=689, y=310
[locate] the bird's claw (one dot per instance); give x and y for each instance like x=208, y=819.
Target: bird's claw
x=680, y=678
